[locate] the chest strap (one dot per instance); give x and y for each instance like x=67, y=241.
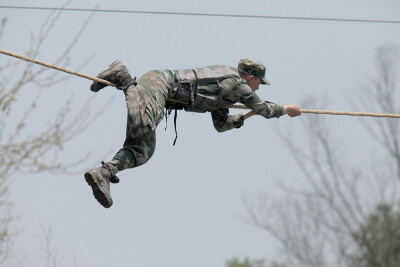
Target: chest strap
x=193, y=88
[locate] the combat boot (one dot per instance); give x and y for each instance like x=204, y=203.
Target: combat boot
x=99, y=179
x=117, y=74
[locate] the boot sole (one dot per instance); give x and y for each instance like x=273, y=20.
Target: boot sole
x=115, y=63
x=98, y=193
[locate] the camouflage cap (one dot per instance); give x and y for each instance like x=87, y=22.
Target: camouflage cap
x=253, y=67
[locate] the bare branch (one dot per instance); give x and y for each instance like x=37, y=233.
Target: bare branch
x=382, y=95
x=50, y=254
x=26, y=149
x=317, y=225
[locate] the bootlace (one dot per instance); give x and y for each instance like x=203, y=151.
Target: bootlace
x=113, y=179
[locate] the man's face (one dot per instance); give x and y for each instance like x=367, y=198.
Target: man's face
x=253, y=82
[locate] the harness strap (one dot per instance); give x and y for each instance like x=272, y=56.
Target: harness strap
x=178, y=79
x=176, y=132
x=193, y=91
x=193, y=88
x=167, y=114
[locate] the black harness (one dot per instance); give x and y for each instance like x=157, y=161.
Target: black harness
x=179, y=105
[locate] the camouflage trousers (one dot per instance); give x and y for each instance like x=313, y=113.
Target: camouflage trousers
x=145, y=103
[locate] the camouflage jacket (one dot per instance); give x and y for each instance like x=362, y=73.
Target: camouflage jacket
x=213, y=89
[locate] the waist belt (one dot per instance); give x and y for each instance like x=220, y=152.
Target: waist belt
x=192, y=93
x=190, y=85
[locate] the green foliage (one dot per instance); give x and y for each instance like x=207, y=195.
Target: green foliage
x=245, y=263
x=378, y=239
x=235, y=262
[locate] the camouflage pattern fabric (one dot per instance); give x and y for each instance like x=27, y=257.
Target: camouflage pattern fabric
x=224, y=122
x=220, y=86
x=145, y=103
x=217, y=87
x=253, y=67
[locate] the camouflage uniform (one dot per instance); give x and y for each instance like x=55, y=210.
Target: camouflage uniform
x=145, y=103
x=212, y=88
x=209, y=89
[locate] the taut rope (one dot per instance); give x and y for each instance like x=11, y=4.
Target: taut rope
x=330, y=112
x=348, y=113
x=56, y=67
x=388, y=115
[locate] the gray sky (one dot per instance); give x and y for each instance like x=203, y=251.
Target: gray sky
x=185, y=206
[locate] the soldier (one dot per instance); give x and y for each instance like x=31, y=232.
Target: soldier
x=209, y=89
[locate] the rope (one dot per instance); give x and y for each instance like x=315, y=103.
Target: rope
x=348, y=113
x=56, y=67
x=367, y=114
x=330, y=112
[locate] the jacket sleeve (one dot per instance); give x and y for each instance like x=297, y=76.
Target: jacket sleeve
x=224, y=122
x=263, y=108
x=251, y=100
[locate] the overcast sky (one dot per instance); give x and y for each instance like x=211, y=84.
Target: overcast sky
x=185, y=206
